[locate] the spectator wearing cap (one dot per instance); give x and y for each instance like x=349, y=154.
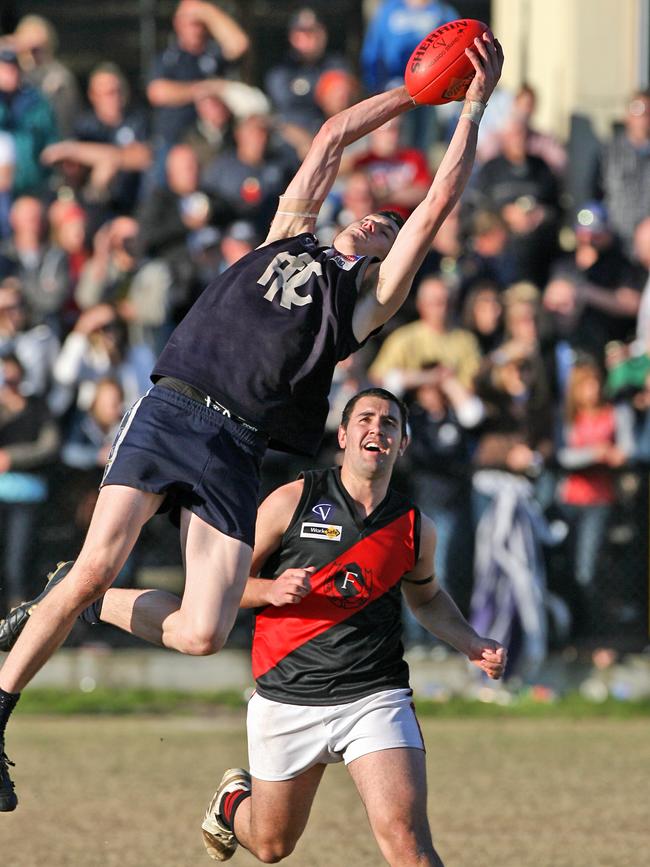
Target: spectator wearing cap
x=30, y=118
x=206, y=44
x=292, y=84
x=525, y=192
x=109, y=140
x=248, y=178
x=239, y=239
x=36, y=42
x=626, y=170
x=597, y=286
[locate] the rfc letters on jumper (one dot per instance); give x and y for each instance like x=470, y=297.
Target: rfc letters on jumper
x=287, y=273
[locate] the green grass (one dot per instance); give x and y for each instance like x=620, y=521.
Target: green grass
x=135, y=701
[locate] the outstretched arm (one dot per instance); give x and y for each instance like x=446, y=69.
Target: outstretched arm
x=305, y=194
x=412, y=244
x=438, y=613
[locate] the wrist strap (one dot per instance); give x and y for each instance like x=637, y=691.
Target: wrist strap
x=474, y=112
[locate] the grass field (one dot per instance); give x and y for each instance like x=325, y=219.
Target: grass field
x=130, y=791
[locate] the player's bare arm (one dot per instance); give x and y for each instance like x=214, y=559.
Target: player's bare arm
x=301, y=202
x=387, y=285
x=273, y=518
x=439, y=614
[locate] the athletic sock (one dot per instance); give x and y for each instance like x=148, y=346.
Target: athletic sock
x=230, y=806
x=8, y=701
x=93, y=613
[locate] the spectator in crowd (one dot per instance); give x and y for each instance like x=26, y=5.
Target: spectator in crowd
x=441, y=419
x=642, y=257
x=598, y=281
x=36, y=42
x=399, y=175
x=68, y=232
x=141, y=291
x=110, y=140
x=206, y=44
x=596, y=438
x=291, y=85
x=335, y=91
x=249, y=178
x=409, y=348
x=539, y=144
x=41, y=267
x=96, y=348
x=391, y=36
x=30, y=119
x=515, y=173
x=350, y=202
x=238, y=239
x=29, y=441
x=483, y=315
x=626, y=170
x=211, y=131
x=517, y=432
x=88, y=443
x=7, y=168
x=488, y=252
x=524, y=190
x=171, y=216
x=36, y=348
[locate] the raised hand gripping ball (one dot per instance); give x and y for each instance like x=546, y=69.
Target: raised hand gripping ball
x=439, y=71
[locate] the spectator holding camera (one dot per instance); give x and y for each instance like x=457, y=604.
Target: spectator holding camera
x=96, y=348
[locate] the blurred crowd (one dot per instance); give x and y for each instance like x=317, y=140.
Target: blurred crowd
x=524, y=350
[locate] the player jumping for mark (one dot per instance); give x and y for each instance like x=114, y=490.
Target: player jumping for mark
x=250, y=364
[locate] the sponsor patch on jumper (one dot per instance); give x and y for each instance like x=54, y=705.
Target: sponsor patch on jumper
x=323, y=510
x=346, y=262
x=326, y=532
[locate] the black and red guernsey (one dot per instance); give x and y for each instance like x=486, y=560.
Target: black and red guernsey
x=343, y=640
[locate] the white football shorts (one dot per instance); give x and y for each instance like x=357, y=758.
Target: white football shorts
x=284, y=740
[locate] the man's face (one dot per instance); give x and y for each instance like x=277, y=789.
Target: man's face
x=190, y=31
x=374, y=235
x=373, y=437
x=105, y=94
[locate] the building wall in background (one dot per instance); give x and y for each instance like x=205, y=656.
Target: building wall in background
x=582, y=56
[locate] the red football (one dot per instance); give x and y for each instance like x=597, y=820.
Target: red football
x=439, y=71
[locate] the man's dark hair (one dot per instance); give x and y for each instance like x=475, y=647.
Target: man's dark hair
x=384, y=395
x=394, y=216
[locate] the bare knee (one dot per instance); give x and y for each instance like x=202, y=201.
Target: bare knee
x=197, y=641
x=405, y=844
x=88, y=580
x=273, y=851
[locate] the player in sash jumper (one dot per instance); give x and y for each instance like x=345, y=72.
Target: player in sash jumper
x=335, y=552
x=250, y=365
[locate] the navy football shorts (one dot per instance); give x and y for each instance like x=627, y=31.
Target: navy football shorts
x=202, y=460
